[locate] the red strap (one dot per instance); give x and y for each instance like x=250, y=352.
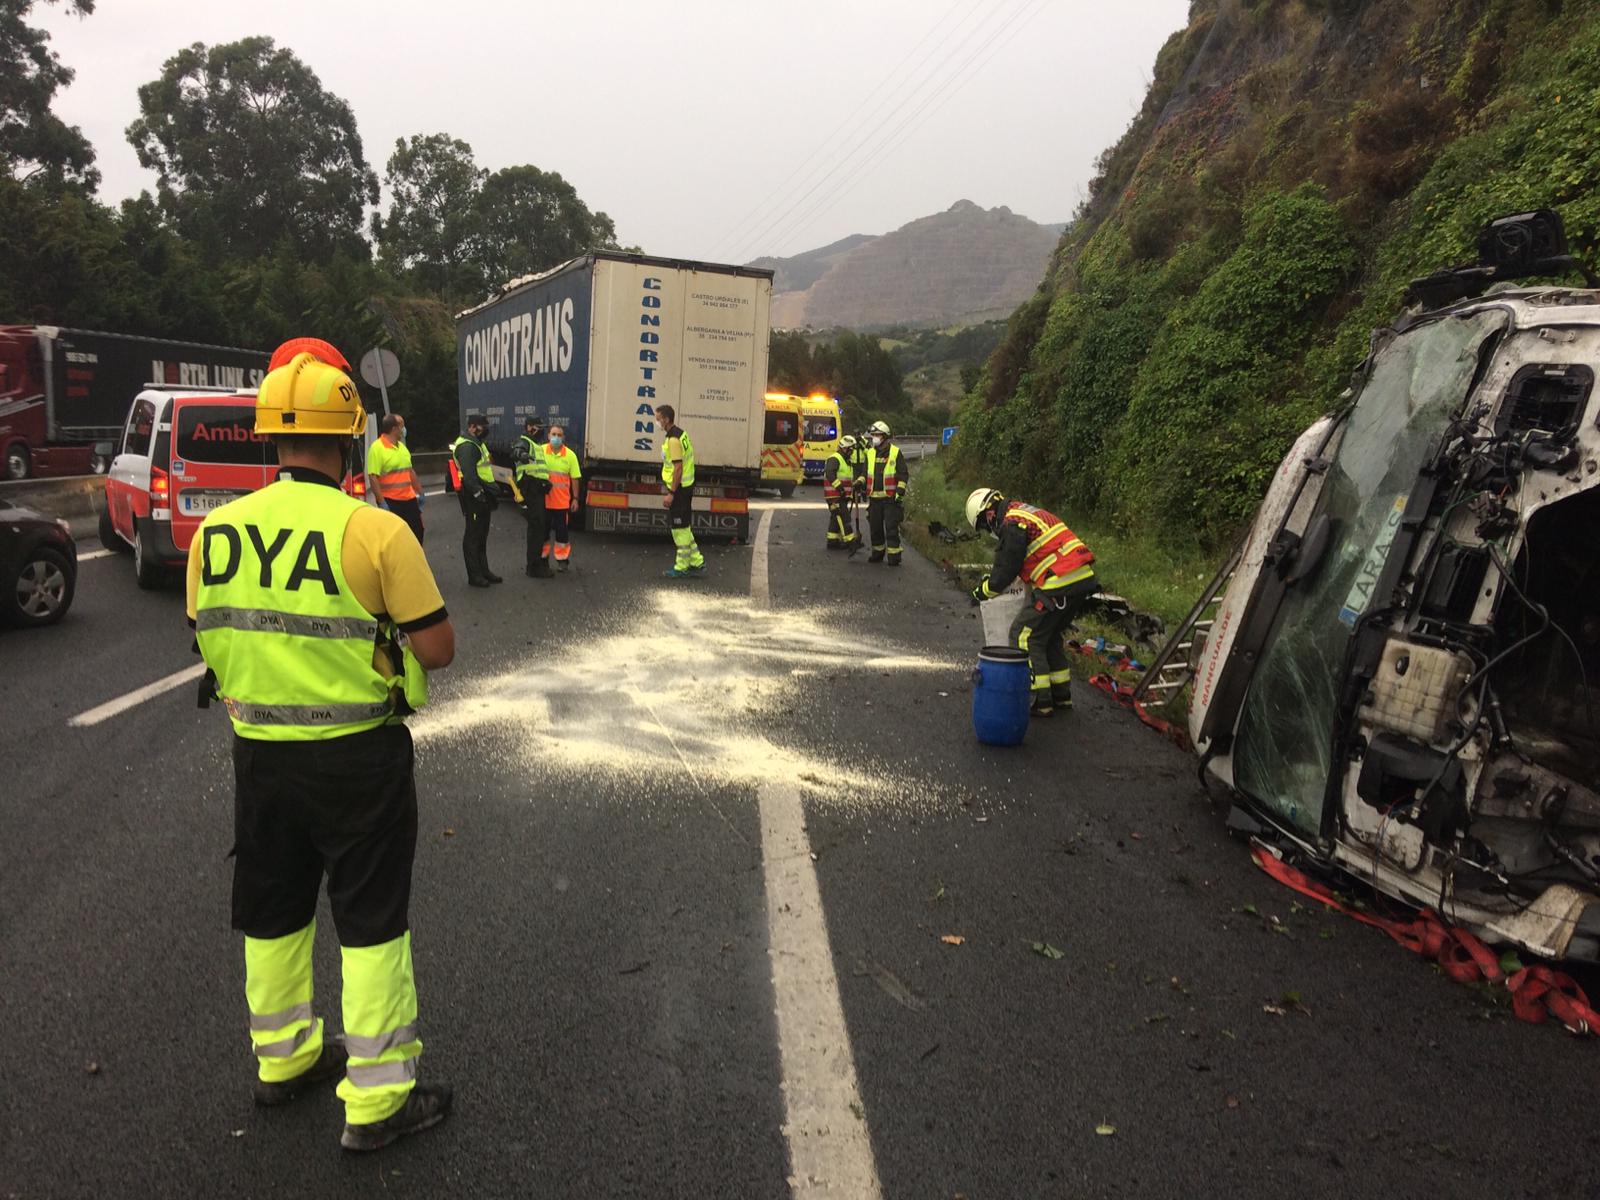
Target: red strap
x=1536, y=992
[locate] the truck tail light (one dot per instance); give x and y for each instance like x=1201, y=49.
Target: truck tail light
x=160, y=488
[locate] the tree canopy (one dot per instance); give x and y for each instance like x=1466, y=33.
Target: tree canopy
x=251, y=151
x=34, y=142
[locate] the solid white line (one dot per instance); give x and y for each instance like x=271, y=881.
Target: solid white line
x=758, y=560
x=95, y=554
x=824, y=1121
x=440, y=492
x=104, y=712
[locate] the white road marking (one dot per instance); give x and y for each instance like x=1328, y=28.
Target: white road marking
x=104, y=712
x=440, y=492
x=93, y=554
x=824, y=1121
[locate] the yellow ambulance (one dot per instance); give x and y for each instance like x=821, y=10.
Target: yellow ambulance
x=782, y=443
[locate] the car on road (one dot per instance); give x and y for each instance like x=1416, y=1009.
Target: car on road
x=182, y=453
x=38, y=566
x=1401, y=679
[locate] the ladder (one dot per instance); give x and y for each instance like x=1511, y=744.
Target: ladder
x=1172, y=669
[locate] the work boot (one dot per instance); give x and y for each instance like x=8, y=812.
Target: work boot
x=875, y=556
x=493, y=578
x=561, y=564
x=540, y=570
x=835, y=544
x=329, y=1065
x=892, y=561
x=471, y=582
x=426, y=1105
x=1041, y=708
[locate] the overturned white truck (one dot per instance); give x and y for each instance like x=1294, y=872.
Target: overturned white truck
x=1397, y=674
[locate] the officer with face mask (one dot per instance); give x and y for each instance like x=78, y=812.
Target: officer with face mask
x=533, y=481
x=886, y=478
x=473, y=475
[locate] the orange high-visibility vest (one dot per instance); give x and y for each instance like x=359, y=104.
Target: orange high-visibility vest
x=1056, y=556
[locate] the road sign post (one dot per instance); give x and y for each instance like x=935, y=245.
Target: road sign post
x=380, y=368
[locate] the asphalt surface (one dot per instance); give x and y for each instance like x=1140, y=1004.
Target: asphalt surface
x=590, y=924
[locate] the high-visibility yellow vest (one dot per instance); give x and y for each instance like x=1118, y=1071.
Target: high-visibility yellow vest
x=882, y=471
x=688, y=459
x=389, y=470
x=275, y=619
x=535, y=467
x=485, y=467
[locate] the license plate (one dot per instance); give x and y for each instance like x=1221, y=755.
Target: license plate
x=200, y=503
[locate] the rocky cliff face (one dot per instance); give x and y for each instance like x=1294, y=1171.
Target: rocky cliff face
x=962, y=264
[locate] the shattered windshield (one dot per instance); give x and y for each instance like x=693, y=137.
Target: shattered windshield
x=1281, y=757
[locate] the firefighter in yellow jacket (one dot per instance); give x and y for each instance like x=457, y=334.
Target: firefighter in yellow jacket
x=318, y=618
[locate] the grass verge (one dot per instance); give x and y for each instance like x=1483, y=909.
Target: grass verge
x=1151, y=577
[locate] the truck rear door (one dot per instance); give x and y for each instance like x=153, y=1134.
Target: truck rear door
x=216, y=457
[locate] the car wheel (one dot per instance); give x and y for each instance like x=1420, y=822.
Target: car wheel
x=146, y=569
x=42, y=591
x=19, y=461
x=109, y=537
x=786, y=488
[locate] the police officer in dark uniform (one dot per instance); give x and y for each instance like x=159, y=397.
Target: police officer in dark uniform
x=475, y=479
x=533, y=481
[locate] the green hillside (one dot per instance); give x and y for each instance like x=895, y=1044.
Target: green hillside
x=1294, y=164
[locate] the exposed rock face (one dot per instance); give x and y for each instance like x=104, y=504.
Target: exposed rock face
x=964, y=263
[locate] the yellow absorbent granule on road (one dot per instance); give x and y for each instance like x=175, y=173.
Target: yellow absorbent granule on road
x=718, y=683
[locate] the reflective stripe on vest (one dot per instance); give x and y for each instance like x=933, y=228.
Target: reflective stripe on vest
x=291, y=646
x=535, y=467
x=831, y=488
x=688, y=460
x=883, y=473
x=390, y=468
x=1056, y=556
x=562, y=467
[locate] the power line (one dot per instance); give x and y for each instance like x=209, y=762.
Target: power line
x=806, y=220
x=786, y=227
x=850, y=154
x=858, y=115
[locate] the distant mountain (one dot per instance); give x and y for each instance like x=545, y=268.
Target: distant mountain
x=963, y=264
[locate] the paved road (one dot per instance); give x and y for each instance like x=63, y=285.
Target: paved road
x=608, y=854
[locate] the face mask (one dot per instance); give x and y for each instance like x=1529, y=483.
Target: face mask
x=556, y=440
x=402, y=433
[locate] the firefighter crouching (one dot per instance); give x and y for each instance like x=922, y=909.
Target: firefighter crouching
x=1058, y=570
x=884, y=474
x=838, y=476
x=318, y=618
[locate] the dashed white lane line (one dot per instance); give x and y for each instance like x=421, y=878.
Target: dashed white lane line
x=824, y=1125
x=93, y=554
x=104, y=712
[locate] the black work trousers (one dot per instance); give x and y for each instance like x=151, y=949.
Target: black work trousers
x=883, y=519
x=409, y=511
x=1041, y=629
x=535, y=513
x=839, y=521
x=475, y=536
x=345, y=806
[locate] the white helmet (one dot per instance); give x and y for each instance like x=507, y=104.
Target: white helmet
x=880, y=427
x=980, y=502
x=847, y=442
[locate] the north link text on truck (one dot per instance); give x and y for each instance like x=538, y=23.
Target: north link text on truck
x=536, y=342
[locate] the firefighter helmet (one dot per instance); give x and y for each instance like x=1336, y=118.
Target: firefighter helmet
x=979, y=502
x=880, y=427
x=307, y=395
x=847, y=442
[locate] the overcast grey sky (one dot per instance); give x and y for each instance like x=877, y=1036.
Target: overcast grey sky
x=687, y=120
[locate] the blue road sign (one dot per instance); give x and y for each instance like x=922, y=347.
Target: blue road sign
x=949, y=432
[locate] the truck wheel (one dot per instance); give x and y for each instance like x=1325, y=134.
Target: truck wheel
x=109, y=537
x=786, y=488
x=19, y=462
x=147, y=570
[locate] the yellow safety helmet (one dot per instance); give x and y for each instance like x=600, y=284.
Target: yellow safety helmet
x=307, y=395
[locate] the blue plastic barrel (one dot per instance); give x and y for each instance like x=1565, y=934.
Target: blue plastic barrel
x=1001, y=694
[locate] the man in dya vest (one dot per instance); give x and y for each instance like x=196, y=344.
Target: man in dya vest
x=318, y=618
x=562, y=502
x=838, y=476
x=1057, y=569
x=473, y=476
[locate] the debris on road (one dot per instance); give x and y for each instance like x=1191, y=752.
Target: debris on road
x=1105, y=1129
x=953, y=939
x=1046, y=950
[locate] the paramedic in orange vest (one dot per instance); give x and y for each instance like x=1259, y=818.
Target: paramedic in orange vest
x=1058, y=570
x=391, y=475
x=562, y=499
